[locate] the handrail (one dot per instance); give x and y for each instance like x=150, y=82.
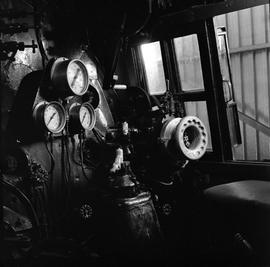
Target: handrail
x=253, y=123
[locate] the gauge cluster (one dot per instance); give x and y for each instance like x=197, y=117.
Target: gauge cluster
x=67, y=99
x=53, y=117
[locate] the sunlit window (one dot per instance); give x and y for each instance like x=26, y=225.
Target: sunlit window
x=248, y=42
x=154, y=70
x=189, y=62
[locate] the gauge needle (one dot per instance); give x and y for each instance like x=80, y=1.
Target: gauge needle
x=75, y=77
x=51, y=118
x=83, y=117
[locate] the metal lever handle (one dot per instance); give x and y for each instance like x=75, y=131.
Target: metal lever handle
x=12, y=47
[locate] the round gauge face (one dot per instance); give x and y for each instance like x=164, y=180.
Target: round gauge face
x=54, y=117
x=77, y=77
x=87, y=117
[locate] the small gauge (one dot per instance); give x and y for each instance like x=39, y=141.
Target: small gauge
x=54, y=117
x=87, y=116
x=50, y=116
x=82, y=117
x=69, y=77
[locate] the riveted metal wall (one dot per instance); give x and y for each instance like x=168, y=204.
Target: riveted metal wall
x=248, y=36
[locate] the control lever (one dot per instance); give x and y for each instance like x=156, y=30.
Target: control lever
x=8, y=50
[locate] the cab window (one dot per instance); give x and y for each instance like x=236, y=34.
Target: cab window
x=153, y=65
x=188, y=68
x=248, y=42
x=189, y=62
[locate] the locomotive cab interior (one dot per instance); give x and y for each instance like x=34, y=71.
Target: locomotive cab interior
x=135, y=132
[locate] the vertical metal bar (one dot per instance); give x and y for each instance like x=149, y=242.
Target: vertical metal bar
x=255, y=85
x=266, y=23
x=177, y=74
x=167, y=63
x=266, y=14
x=241, y=88
x=254, y=80
x=268, y=82
x=226, y=23
x=243, y=107
x=216, y=103
x=256, y=106
x=138, y=66
x=266, y=8
x=229, y=64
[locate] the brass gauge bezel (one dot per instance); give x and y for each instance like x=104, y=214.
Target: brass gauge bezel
x=60, y=77
x=39, y=114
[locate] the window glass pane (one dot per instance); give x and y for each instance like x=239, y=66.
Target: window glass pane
x=199, y=109
x=153, y=64
x=189, y=62
x=248, y=41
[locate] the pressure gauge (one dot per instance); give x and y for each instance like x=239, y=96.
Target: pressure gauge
x=87, y=116
x=50, y=116
x=81, y=117
x=77, y=77
x=69, y=77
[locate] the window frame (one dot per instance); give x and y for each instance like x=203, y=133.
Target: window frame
x=213, y=89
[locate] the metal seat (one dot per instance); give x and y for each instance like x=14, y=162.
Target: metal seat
x=242, y=207
x=248, y=192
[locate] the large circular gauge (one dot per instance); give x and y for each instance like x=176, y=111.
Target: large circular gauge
x=82, y=117
x=69, y=77
x=77, y=77
x=50, y=116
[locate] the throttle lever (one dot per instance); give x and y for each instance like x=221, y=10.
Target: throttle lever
x=13, y=47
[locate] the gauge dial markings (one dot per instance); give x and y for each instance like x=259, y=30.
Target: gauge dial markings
x=54, y=117
x=84, y=115
x=77, y=77
x=51, y=118
x=69, y=77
